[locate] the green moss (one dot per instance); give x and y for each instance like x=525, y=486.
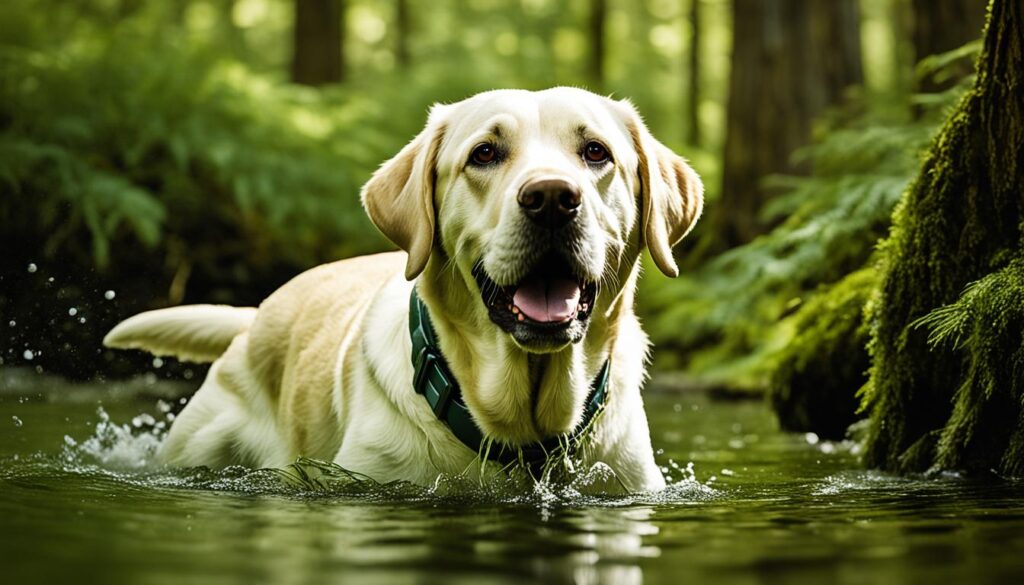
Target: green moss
x=817, y=375
x=952, y=228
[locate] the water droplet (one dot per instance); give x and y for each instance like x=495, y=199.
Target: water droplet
x=17, y=421
x=72, y=311
x=13, y=323
x=32, y=267
x=81, y=319
x=28, y=354
x=109, y=295
x=157, y=362
x=811, y=438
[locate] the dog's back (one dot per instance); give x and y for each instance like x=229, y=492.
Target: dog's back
x=275, y=364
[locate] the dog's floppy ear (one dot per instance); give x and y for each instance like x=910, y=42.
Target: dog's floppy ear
x=399, y=197
x=672, y=193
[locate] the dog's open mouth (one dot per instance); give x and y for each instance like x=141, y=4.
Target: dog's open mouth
x=551, y=304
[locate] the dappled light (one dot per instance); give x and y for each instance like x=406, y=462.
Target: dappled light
x=289, y=293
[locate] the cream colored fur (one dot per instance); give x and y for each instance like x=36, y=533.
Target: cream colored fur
x=324, y=368
x=196, y=333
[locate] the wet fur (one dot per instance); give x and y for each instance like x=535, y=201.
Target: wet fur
x=323, y=368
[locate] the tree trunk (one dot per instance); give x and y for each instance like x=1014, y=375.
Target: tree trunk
x=957, y=405
x=402, y=31
x=596, y=29
x=791, y=60
x=835, y=51
x=943, y=25
x=694, y=86
x=319, y=39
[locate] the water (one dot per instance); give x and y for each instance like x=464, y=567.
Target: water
x=760, y=506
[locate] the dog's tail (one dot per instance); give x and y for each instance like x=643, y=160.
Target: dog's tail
x=193, y=333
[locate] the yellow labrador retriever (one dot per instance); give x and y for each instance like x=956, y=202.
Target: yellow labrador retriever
x=503, y=330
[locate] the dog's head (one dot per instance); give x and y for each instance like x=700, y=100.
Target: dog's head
x=541, y=201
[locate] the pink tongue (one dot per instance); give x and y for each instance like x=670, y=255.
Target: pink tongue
x=548, y=300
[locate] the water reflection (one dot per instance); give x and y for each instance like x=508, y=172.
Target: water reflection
x=783, y=508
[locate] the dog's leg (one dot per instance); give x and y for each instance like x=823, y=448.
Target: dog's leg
x=229, y=421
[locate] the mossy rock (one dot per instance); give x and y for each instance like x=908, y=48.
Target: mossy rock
x=817, y=376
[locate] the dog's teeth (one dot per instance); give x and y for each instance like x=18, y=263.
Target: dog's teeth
x=514, y=309
x=521, y=318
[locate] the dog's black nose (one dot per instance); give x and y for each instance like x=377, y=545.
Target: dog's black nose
x=550, y=203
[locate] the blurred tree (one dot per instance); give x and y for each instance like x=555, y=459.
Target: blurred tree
x=943, y=25
x=596, y=37
x=791, y=60
x=178, y=11
x=319, y=41
x=693, y=133
x=403, y=30
x=234, y=37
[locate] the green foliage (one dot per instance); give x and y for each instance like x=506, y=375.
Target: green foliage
x=985, y=326
x=828, y=224
x=135, y=150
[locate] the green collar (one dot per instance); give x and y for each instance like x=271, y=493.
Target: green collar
x=434, y=380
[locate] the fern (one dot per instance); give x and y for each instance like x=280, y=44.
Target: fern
x=828, y=224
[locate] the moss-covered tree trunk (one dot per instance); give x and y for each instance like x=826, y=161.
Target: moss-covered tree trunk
x=957, y=404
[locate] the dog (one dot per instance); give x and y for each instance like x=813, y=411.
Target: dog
x=521, y=218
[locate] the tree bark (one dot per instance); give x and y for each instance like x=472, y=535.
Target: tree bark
x=957, y=405
x=693, y=131
x=318, y=42
x=791, y=60
x=596, y=30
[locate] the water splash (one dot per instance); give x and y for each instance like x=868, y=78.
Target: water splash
x=127, y=453
x=117, y=447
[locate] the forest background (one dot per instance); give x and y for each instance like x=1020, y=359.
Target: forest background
x=158, y=153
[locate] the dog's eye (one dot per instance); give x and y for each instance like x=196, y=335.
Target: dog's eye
x=484, y=154
x=596, y=153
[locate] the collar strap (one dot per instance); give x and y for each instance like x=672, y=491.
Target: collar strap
x=434, y=380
